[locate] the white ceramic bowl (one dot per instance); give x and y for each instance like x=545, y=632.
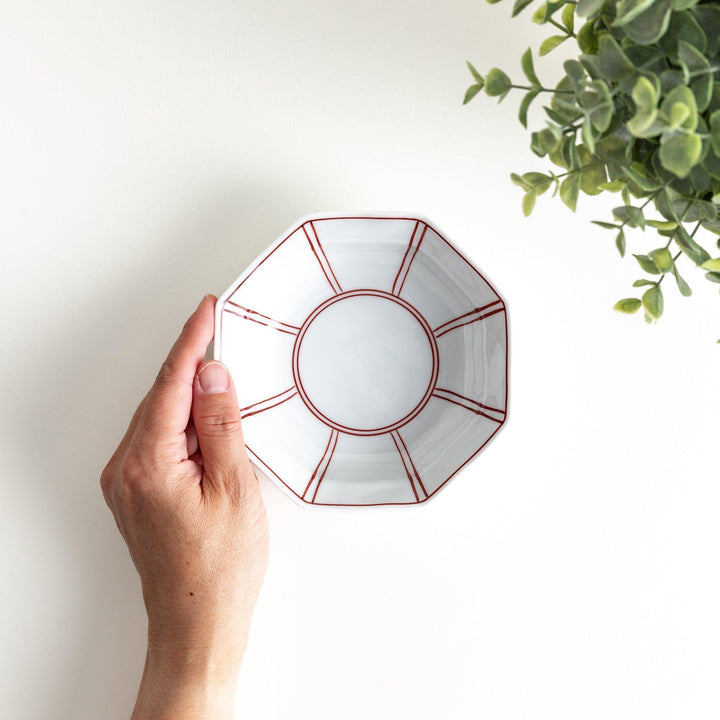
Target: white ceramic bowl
x=370, y=359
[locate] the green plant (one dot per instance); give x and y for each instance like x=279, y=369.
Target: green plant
x=637, y=113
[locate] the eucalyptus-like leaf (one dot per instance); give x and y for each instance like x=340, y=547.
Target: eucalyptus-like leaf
x=650, y=25
x=539, y=182
x=620, y=242
x=687, y=244
x=708, y=17
x=497, y=83
x=712, y=277
x=570, y=189
x=525, y=106
x=478, y=77
x=712, y=265
x=606, y=225
x=687, y=115
x=715, y=131
x=647, y=264
x=683, y=287
x=628, y=305
x=587, y=37
x=614, y=63
x=519, y=6
x=471, y=92
x=662, y=224
x=630, y=215
x=680, y=152
x=652, y=301
x=586, y=8
x=567, y=17
x=526, y=62
x=549, y=44
x=644, y=94
x=528, y=202
x=644, y=282
x=627, y=10
x=662, y=259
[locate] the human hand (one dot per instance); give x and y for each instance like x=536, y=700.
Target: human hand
x=187, y=502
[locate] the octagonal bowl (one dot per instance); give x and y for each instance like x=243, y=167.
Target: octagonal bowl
x=369, y=356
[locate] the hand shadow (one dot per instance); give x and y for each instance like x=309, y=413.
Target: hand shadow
x=90, y=378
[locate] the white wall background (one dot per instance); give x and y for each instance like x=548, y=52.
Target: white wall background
x=148, y=152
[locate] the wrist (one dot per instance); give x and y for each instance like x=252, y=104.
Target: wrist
x=194, y=685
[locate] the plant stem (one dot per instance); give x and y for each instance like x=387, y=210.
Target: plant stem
x=561, y=27
x=539, y=88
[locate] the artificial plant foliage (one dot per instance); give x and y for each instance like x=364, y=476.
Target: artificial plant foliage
x=637, y=113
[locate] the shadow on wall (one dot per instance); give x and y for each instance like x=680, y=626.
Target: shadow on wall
x=92, y=630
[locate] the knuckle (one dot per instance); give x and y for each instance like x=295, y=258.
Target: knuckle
x=222, y=423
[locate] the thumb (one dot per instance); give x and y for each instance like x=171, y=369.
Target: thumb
x=216, y=416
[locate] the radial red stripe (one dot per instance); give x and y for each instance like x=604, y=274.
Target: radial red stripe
x=261, y=319
x=268, y=403
x=319, y=473
x=410, y=469
x=408, y=257
x=472, y=317
x=319, y=253
x=470, y=404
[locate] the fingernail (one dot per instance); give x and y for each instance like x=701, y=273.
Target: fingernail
x=213, y=378
x=203, y=300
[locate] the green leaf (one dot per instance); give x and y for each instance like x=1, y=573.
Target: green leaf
x=715, y=131
x=631, y=216
x=650, y=25
x=568, y=17
x=713, y=277
x=620, y=242
x=519, y=6
x=539, y=182
x=614, y=63
x=591, y=176
x=520, y=181
x=683, y=287
x=647, y=264
x=712, y=265
x=497, y=83
x=688, y=245
x=613, y=186
x=526, y=62
x=585, y=8
x=652, y=301
x=570, y=189
x=644, y=94
x=683, y=96
x=627, y=10
x=662, y=224
x=528, y=202
x=474, y=72
x=597, y=103
x=549, y=44
x=628, y=305
x=643, y=282
x=662, y=259
x=471, y=92
x=606, y=225
x=525, y=105
x=679, y=153
x=587, y=37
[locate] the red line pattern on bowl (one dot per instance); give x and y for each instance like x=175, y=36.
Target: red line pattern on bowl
x=366, y=292
x=465, y=402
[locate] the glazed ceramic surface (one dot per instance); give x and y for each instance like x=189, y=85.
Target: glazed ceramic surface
x=370, y=359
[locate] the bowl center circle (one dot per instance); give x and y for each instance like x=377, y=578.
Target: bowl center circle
x=365, y=361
